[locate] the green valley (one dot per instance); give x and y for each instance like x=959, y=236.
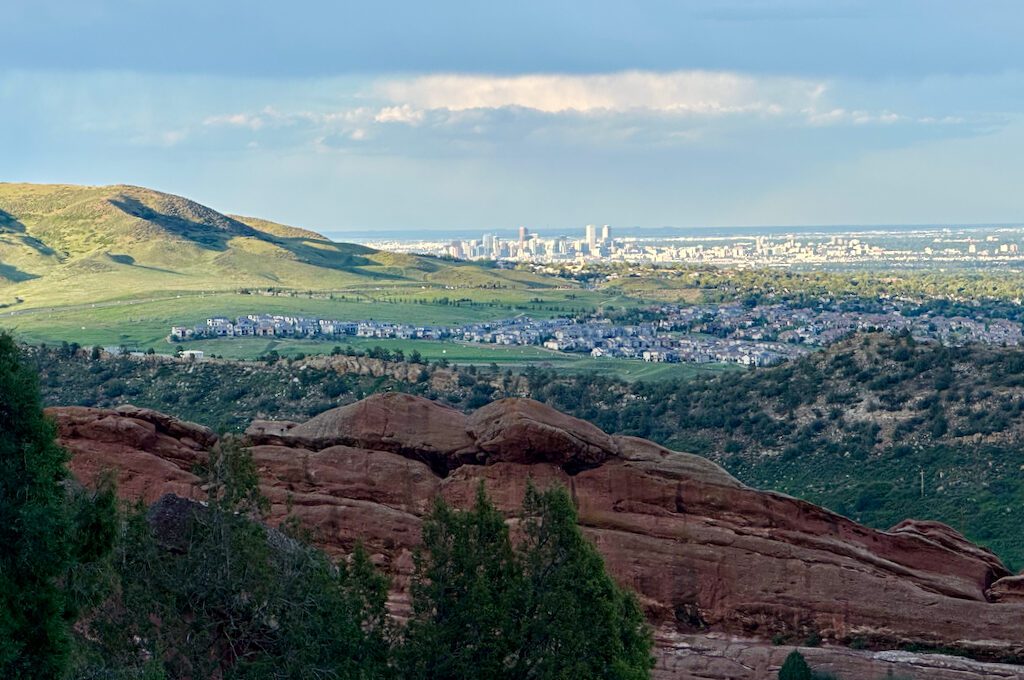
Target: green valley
x=120, y=264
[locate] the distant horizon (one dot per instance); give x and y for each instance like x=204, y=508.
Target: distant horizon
x=413, y=234
x=453, y=115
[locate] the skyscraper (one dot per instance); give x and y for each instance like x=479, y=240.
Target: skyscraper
x=606, y=234
x=591, y=237
x=523, y=233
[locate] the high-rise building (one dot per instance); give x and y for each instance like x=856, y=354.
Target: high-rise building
x=591, y=237
x=523, y=233
x=606, y=234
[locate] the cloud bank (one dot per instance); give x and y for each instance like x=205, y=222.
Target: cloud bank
x=690, y=92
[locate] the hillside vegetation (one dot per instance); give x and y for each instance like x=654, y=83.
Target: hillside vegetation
x=851, y=428
x=63, y=244
x=878, y=428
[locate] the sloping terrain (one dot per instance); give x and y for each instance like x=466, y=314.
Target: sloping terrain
x=875, y=427
x=710, y=558
x=63, y=244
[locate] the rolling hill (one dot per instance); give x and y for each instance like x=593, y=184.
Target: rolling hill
x=64, y=244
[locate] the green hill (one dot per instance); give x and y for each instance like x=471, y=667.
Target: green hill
x=120, y=264
x=62, y=244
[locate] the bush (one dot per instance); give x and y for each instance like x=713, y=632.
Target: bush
x=795, y=668
x=218, y=595
x=547, y=609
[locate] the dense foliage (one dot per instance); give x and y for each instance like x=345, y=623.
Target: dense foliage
x=51, y=539
x=227, y=395
x=795, y=668
x=208, y=591
x=941, y=426
x=544, y=608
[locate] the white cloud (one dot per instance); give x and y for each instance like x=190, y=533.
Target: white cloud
x=465, y=113
x=400, y=114
x=690, y=92
x=251, y=121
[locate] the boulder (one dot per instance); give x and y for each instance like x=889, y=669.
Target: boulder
x=526, y=431
x=1008, y=589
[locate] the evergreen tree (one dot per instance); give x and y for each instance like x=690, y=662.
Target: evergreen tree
x=543, y=610
x=48, y=539
x=220, y=595
x=464, y=593
x=577, y=622
x=795, y=668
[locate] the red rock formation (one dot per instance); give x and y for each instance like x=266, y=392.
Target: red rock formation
x=709, y=557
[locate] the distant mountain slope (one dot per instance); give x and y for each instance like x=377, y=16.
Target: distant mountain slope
x=62, y=244
x=282, y=230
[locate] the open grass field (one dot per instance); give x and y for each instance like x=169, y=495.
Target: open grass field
x=514, y=357
x=652, y=290
x=143, y=322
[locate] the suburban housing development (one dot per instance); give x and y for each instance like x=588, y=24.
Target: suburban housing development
x=727, y=333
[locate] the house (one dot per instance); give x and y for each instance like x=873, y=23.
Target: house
x=192, y=354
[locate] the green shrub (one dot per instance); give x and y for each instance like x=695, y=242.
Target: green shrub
x=795, y=668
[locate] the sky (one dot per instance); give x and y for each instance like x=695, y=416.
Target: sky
x=340, y=115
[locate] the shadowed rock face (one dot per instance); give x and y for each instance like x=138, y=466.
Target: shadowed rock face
x=721, y=568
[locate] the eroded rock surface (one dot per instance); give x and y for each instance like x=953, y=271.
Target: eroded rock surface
x=711, y=559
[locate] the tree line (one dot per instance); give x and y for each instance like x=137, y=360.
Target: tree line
x=90, y=588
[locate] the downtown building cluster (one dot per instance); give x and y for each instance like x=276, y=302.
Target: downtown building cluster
x=597, y=242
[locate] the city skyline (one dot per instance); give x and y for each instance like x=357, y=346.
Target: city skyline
x=597, y=244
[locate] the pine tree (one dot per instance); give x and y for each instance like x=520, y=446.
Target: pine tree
x=464, y=593
x=545, y=609
x=48, y=538
x=577, y=621
x=795, y=668
x=218, y=594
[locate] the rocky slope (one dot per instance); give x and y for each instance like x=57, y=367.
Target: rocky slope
x=721, y=568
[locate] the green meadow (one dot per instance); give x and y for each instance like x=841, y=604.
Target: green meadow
x=119, y=265
x=144, y=322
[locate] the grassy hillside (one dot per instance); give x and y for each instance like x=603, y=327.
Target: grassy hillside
x=120, y=264
x=63, y=244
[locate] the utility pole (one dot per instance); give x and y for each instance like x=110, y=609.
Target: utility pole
x=922, y=482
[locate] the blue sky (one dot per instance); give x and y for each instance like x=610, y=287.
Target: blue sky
x=408, y=115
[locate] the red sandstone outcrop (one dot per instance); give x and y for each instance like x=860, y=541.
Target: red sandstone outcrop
x=709, y=557
x=1009, y=589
